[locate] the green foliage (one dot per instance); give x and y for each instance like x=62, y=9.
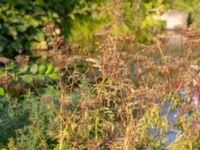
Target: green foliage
x=18, y=79
x=21, y=21
x=2, y=92
x=12, y=117
x=35, y=70
x=41, y=119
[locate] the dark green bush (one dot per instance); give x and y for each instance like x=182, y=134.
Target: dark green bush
x=21, y=21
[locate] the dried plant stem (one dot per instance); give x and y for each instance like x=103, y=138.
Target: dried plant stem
x=60, y=111
x=159, y=48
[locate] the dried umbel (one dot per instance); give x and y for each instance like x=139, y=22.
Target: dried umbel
x=4, y=60
x=56, y=43
x=22, y=59
x=51, y=29
x=110, y=57
x=5, y=81
x=192, y=35
x=142, y=70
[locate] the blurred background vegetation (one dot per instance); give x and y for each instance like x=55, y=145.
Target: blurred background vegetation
x=21, y=21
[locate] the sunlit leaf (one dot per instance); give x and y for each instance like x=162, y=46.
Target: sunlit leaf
x=53, y=76
x=34, y=69
x=49, y=68
x=23, y=69
x=39, y=77
x=42, y=69
x=2, y=92
x=27, y=78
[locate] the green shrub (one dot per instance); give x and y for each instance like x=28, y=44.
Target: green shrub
x=21, y=21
